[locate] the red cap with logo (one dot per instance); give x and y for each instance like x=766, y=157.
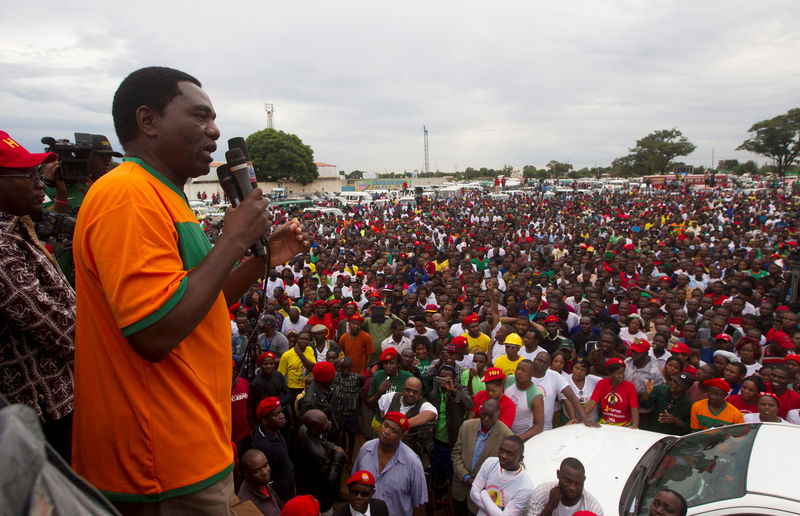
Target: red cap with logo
x=363, y=477
x=493, y=373
x=14, y=155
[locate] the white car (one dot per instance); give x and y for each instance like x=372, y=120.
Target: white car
x=217, y=212
x=732, y=470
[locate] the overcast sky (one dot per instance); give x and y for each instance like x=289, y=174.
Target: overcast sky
x=496, y=83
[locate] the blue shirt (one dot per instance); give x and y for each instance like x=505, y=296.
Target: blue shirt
x=401, y=484
x=479, y=444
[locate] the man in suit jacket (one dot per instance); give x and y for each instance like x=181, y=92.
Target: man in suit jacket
x=361, y=487
x=478, y=439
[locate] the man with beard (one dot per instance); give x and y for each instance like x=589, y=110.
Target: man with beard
x=565, y=496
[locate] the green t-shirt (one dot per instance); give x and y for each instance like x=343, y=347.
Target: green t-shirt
x=441, y=424
x=477, y=384
x=398, y=381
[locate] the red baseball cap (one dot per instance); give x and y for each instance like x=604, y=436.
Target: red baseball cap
x=320, y=302
x=362, y=477
x=356, y=317
x=400, y=419
x=431, y=308
x=266, y=406
x=783, y=339
x=388, y=354
x=723, y=336
x=493, y=373
x=14, y=155
x=551, y=318
x=471, y=318
x=324, y=372
x=615, y=361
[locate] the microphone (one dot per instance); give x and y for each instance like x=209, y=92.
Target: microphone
x=235, y=180
x=239, y=143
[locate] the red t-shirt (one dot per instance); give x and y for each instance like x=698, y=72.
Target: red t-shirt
x=240, y=399
x=615, y=402
x=789, y=400
x=737, y=401
x=508, y=411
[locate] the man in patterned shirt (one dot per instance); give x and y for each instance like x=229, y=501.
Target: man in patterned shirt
x=37, y=305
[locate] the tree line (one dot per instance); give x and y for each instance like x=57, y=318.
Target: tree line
x=277, y=155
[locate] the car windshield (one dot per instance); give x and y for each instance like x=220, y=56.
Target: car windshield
x=704, y=467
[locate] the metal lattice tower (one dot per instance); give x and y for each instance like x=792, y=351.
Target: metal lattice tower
x=427, y=158
x=270, y=109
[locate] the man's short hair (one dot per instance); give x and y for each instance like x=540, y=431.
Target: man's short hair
x=154, y=87
x=572, y=463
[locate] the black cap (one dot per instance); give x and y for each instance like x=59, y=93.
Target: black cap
x=684, y=379
x=101, y=144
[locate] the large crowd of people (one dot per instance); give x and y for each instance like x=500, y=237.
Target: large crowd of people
x=404, y=359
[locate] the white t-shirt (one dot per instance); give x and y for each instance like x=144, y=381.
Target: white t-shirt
x=386, y=400
x=552, y=383
x=793, y=417
x=755, y=417
x=292, y=290
x=585, y=394
x=388, y=342
x=530, y=356
x=513, y=489
x=523, y=419
x=466, y=362
x=288, y=325
x=542, y=494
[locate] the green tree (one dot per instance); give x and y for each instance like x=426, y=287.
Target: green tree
x=355, y=174
x=729, y=165
x=558, y=169
x=776, y=138
x=279, y=155
x=654, y=153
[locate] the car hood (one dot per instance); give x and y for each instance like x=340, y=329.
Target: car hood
x=608, y=454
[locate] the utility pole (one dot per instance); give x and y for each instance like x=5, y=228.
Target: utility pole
x=427, y=159
x=270, y=109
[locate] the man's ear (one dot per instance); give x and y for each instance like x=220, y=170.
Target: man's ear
x=147, y=120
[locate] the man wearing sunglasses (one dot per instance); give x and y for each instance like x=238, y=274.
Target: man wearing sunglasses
x=361, y=487
x=37, y=305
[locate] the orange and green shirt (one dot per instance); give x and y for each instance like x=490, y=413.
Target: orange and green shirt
x=703, y=418
x=144, y=431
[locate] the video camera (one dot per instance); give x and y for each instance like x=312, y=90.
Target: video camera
x=73, y=158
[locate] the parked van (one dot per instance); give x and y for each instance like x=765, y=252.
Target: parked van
x=355, y=198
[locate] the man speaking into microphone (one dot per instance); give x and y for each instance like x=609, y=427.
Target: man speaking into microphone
x=152, y=350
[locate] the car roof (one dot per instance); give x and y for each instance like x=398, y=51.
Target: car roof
x=773, y=460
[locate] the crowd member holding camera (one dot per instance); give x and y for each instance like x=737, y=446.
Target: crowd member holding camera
x=152, y=359
x=37, y=305
x=67, y=179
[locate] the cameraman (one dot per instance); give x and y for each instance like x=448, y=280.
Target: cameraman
x=37, y=308
x=68, y=196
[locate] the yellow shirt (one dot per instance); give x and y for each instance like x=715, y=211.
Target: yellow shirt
x=293, y=369
x=137, y=424
x=480, y=343
x=506, y=364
